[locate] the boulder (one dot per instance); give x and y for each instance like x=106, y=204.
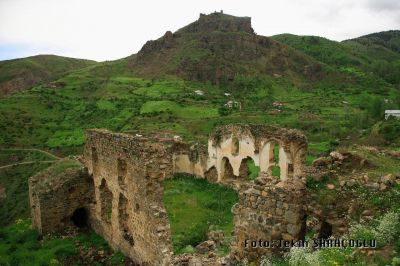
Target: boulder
x=205, y=247
x=337, y=156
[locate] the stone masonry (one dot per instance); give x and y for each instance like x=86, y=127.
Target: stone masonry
x=121, y=188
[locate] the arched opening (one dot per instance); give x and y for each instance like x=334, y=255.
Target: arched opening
x=248, y=169
x=122, y=171
x=275, y=170
x=273, y=166
x=211, y=175
x=235, y=146
x=276, y=153
x=123, y=218
x=80, y=218
x=106, y=198
x=273, y=152
x=325, y=230
x=227, y=170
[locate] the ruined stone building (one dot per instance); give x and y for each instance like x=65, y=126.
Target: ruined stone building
x=119, y=189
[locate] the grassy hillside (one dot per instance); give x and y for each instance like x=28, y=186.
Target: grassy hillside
x=369, y=54
x=24, y=73
x=218, y=47
x=335, y=92
x=387, y=39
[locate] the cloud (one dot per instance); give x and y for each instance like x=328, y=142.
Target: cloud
x=384, y=5
x=112, y=29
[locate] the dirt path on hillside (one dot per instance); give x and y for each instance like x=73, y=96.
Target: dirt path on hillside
x=34, y=149
x=30, y=162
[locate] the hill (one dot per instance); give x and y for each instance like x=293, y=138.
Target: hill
x=376, y=54
x=217, y=48
x=319, y=86
x=24, y=73
x=214, y=71
x=387, y=39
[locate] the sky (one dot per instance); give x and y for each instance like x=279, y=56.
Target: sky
x=111, y=29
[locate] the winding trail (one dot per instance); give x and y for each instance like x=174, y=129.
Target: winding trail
x=34, y=149
x=30, y=162
x=53, y=156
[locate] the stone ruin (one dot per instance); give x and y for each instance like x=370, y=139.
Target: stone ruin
x=119, y=189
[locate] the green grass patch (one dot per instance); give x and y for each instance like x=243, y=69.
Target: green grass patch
x=193, y=205
x=253, y=169
x=192, y=111
x=21, y=245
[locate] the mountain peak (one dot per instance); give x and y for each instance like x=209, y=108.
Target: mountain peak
x=217, y=48
x=218, y=21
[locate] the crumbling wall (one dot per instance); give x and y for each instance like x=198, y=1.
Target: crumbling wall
x=128, y=172
x=121, y=188
x=237, y=143
x=56, y=193
x=269, y=210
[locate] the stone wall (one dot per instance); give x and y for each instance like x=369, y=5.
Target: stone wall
x=128, y=172
x=56, y=193
x=269, y=210
x=121, y=188
x=267, y=146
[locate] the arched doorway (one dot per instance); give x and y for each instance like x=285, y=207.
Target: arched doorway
x=106, y=198
x=227, y=170
x=80, y=218
x=248, y=169
x=211, y=175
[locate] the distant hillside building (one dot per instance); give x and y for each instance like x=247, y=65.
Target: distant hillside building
x=389, y=113
x=199, y=92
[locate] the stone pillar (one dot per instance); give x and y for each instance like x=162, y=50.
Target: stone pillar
x=267, y=156
x=269, y=210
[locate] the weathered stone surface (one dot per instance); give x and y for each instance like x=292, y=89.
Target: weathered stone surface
x=205, y=247
x=216, y=236
x=292, y=217
x=121, y=189
x=55, y=196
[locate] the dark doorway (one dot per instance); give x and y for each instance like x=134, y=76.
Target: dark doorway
x=325, y=230
x=80, y=217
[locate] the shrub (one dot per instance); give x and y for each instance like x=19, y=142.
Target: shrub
x=299, y=256
x=388, y=229
x=390, y=129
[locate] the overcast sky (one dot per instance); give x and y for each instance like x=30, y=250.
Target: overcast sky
x=107, y=30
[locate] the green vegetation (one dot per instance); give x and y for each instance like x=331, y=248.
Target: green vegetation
x=335, y=92
x=376, y=53
x=253, y=169
x=21, y=245
x=193, y=205
x=24, y=73
x=14, y=180
x=390, y=130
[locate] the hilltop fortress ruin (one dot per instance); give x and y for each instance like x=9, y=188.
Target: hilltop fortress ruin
x=119, y=189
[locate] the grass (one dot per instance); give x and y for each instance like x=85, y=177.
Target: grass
x=193, y=205
x=253, y=169
x=192, y=112
x=12, y=156
x=328, y=110
x=21, y=245
x=15, y=182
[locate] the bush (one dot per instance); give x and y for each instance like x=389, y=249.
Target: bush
x=390, y=129
x=388, y=229
x=299, y=256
